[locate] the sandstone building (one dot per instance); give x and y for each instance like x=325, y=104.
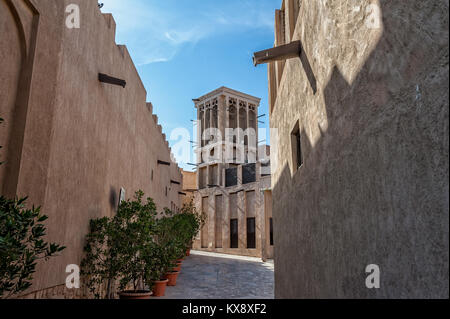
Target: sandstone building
x=359, y=117
x=233, y=176
x=189, y=186
x=71, y=141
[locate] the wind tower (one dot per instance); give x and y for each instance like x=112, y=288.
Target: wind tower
x=227, y=136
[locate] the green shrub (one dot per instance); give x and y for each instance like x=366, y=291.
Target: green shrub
x=134, y=226
x=177, y=231
x=100, y=264
x=21, y=245
x=135, y=247
x=122, y=248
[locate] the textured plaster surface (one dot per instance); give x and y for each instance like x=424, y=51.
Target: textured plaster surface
x=236, y=202
x=71, y=142
x=374, y=186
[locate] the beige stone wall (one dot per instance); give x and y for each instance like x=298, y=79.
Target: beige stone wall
x=237, y=202
x=189, y=180
x=268, y=248
x=189, y=185
x=371, y=103
x=70, y=141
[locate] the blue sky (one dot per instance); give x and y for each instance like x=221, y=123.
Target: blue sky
x=184, y=49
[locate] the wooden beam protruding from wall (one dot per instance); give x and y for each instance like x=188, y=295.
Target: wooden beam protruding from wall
x=111, y=80
x=163, y=163
x=280, y=53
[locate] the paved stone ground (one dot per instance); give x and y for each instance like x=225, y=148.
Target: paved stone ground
x=216, y=276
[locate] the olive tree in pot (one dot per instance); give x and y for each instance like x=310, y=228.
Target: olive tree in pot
x=167, y=239
x=135, y=222
x=120, y=249
x=100, y=265
x=176, y=232
x=158, y=261
x=189, y=224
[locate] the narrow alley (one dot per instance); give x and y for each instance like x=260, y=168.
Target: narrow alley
x=217, y=276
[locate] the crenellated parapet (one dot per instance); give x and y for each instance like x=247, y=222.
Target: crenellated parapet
x=72, y=140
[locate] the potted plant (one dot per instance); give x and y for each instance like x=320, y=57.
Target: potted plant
x=159, y=287
x=189, y=225
x=100, y=265
x=121, y=249
x=158, y=261
x=176, y=267
x=135, y=222
x=174, y=249
x=171, y=277
x=168, y=234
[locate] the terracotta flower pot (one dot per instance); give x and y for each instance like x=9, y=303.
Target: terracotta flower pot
x=188, y=252
x=172, y=277
x=159, y=288
x=131, y=294
x=179, y=260
x=177, y=267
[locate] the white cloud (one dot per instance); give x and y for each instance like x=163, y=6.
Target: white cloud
x=155, y=31
x=190, y=36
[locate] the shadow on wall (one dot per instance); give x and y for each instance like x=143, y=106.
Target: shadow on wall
x=374, y=187
x=309, y=72
x=113, y=198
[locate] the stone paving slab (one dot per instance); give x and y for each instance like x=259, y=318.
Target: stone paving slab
x=216, y=276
